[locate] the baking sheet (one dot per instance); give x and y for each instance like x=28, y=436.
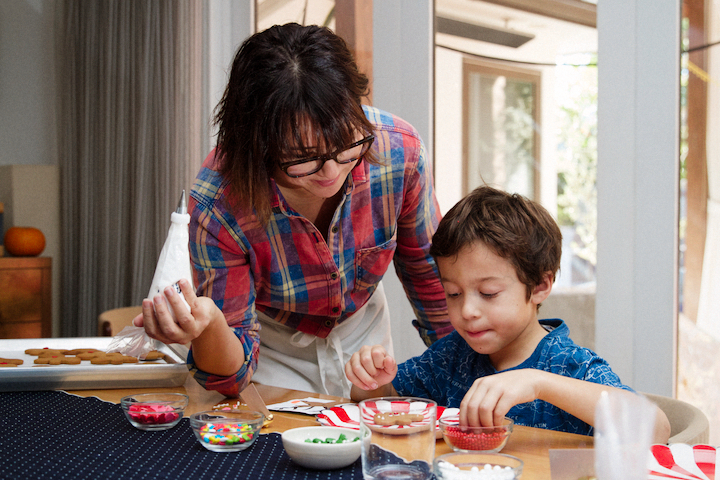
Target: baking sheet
x=170, y=372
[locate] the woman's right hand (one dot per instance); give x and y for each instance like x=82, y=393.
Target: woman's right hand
x=187, y=324
x=371, y=367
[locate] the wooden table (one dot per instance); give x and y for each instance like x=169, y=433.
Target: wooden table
x=531, y=445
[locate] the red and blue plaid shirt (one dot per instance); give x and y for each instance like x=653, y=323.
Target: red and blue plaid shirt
x=288, y=271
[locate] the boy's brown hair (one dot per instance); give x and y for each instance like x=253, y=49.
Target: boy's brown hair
x=515, y=228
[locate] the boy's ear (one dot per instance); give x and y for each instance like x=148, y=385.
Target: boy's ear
x=543, y=289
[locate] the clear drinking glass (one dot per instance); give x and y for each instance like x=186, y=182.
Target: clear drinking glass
x=398, y=438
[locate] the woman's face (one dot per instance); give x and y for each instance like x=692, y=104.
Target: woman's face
x=326, y=182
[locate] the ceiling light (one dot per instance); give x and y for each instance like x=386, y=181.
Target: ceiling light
x=483, y=33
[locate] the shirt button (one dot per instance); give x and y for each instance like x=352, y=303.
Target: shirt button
x=328, y=323
x=334, y=275
x=334, y=229
x=335, y=310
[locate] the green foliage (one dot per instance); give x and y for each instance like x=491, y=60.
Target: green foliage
x=577, y=156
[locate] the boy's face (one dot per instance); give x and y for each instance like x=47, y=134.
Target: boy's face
x=488, y=305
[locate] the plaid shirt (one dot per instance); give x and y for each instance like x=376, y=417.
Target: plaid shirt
x=288, y=271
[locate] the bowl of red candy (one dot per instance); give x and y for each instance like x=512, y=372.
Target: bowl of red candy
x=475, y=439
x=154, y=411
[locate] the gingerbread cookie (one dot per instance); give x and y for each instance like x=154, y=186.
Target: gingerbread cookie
x=115, y=358
x=44, y=351
x=10, y=362
x=49, y=356
x=90, y=354
x=387, y=419
x=57, y=360
x=79, y=351
x=154, y=355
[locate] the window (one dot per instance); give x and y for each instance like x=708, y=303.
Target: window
x=502, y=141
x=304, y=12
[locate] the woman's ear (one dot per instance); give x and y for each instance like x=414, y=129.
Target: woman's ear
x=543, y=289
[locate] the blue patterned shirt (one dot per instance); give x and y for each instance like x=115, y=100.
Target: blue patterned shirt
x=448, y=368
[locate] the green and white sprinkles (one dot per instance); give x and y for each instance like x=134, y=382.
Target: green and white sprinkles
x=341, y=439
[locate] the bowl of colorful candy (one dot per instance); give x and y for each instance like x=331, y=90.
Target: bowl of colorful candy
x=475, y=439
x=227, y=430
x=154, y=411
x=476, y=466
x=322, y=448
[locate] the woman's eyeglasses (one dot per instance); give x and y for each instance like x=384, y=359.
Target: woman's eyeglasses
x=307, y=166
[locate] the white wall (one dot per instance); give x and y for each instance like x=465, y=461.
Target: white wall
x=403, y=85
x=27, y=82
x=229, y=23
x=638, y=152
x=28, y=146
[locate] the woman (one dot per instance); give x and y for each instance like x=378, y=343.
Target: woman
x=296, y=216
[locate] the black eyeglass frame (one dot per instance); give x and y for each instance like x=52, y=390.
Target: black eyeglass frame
x=332, y=156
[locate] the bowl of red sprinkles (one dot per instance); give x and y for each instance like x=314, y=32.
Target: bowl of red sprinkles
x=154, y=411
x=475, y=439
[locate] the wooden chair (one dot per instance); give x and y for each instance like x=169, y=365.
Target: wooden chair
x=111, y=322
x=688, y=424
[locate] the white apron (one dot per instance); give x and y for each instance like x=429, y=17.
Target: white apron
x=301, y=361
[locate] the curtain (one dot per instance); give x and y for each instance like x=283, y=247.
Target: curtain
x=129, y=142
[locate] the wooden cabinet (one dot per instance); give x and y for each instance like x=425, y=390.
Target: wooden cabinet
x=25, y=297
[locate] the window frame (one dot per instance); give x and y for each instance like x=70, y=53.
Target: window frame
x=473, y=65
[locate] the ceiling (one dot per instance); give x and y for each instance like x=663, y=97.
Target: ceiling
x=547, y=37
x=543, y=37
x=306, y=12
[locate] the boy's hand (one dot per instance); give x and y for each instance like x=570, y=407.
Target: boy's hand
x=490, y=398
x=371, y=367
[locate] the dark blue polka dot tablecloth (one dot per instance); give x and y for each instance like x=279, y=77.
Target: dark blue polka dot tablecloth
x=55, y=435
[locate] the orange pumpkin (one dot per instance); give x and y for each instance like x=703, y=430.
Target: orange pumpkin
x=24, y=241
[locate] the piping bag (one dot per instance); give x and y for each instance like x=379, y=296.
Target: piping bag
x=174, y=262
x=172, y=266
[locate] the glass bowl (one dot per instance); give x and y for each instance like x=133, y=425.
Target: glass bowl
x=227, y=430
x=475, y=439
x=473, y=465
x=154, y=411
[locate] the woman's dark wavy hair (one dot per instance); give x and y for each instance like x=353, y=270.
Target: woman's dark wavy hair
x=515, y=228
x=286, y=81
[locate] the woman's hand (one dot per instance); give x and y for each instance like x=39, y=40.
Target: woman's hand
x=187, y=324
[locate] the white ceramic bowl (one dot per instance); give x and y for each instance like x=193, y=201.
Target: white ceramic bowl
x=321, y=456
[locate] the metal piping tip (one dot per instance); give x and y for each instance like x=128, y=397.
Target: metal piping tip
x=182, y=204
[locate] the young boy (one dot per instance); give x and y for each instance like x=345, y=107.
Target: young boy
x=498, y=255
